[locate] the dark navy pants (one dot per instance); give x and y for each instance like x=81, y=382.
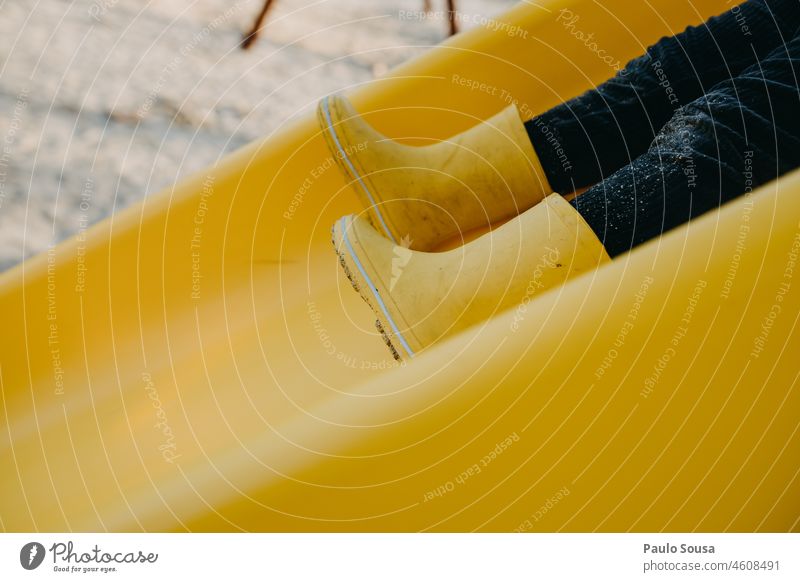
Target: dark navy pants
x=683, y=128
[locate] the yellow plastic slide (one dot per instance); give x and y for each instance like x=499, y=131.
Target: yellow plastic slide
x=198, y=362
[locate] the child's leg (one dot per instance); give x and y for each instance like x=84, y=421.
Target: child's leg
x=606, y=128
x=749, y=124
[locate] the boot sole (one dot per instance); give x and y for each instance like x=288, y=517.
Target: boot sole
x=328, y=116
x=363, y=285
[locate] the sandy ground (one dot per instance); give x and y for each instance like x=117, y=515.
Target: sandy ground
x=104, y=101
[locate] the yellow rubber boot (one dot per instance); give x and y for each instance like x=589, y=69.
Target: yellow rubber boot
x=420, y=297
x=429, y=194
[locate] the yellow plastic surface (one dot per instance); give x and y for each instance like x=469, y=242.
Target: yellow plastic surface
x=199, y=363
